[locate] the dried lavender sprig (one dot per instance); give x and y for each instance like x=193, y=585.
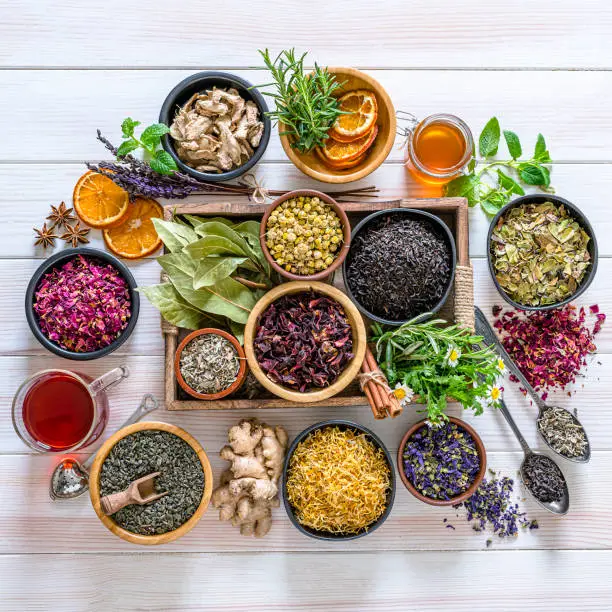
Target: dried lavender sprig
x=138, y=178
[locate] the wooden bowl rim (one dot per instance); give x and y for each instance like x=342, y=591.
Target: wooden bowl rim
x=371, y=164
x=241, y=357
x=482, y=454
x=346, y=231
x=359, y=341
x=94, y=488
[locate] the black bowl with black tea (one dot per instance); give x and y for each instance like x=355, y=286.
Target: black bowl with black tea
x=401, y=264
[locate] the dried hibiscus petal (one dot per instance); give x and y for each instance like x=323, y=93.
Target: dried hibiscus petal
x=303, y=340
x=82, y=306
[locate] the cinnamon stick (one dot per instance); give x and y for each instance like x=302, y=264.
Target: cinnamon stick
x=391, y=404
x=371, y=391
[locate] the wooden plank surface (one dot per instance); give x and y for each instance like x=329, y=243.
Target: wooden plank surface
x=68, y=68
x=449, y=34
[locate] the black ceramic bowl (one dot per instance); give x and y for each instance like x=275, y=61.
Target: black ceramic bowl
x=324, y=535
x=538, y=198
x=200, y=82
x=412, y=213
x=58, y=260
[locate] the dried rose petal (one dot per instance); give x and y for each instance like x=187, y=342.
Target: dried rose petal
x=82, y=306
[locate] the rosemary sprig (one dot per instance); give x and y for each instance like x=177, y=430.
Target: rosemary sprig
x=305, y=104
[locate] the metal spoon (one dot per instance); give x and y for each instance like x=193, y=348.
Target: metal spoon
x=71, y=478
x=483, y=328
x=557, y=507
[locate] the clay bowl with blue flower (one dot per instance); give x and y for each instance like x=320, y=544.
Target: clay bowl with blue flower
x=446, y=462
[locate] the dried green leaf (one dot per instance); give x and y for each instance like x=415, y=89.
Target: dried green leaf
x=175, y=236
x=213, y=269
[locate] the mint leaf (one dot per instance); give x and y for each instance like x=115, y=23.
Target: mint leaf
x=489, y=138
x=465, y=186
x=162, y=163
x=514, y=144
x=472, y=165
x=126, y=147
x=534, y=174
x=151, y=136
x=493, y=202
x=508, y=183
x=128, y=126
x=540, y=146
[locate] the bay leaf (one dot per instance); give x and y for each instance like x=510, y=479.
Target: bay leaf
x=182, y=261
x=195, y=220
x=213, y=269
x=215, y=228
x=249, y=230
x=213, y=245
x=174, y=235
x=174, y=308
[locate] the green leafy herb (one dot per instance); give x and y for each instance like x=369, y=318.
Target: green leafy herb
x=305, y=103
x=438, y=361
x=492, y=187
x=215, y=272
x=150, y=139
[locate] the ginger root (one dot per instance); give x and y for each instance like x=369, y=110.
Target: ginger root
x=249, y=487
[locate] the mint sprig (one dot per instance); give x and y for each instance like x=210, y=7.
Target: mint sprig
x=150, y=139
x=499, y=180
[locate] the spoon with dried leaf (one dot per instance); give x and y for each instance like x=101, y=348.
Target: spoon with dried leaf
x=576, y=446
x=71, y=478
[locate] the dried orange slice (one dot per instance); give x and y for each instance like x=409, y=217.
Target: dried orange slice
x=99, y=202
x=336, y=152
x=342, y=165
x=362, y=110
x=136, y=236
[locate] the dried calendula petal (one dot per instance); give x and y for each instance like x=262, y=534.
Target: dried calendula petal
x=540, y=253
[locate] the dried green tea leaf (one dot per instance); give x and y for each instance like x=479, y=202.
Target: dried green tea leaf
x=540, y=254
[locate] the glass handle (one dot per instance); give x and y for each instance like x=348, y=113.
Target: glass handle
x=109, y=379
x=410, y=121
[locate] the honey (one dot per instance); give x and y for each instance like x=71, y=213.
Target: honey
x=439, y=148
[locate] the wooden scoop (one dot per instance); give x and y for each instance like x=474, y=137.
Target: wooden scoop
x=141, y=491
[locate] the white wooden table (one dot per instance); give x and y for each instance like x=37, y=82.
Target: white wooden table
x=68, y=67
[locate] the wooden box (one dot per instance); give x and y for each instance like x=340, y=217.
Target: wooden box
x=459, y=307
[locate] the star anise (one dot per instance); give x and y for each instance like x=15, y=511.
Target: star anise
x=45, y=236
x=75, y=234
x=61, y=215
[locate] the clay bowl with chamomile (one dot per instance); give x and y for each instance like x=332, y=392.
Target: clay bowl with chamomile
x=340, y=254
x=96, y=471
x=364, y=154
x=351, y=367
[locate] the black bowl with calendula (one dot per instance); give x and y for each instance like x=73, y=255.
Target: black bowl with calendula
x=497, y=250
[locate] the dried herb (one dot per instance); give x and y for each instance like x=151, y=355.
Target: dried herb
x=142, y=453
x=138, y=178
x=441, y=462
x=563, y=432
x=45, y=236
x=82, y=306
x=209, y=364
x=61, y=216
x=539, y=253
x=543, y=478
x=437, y=361
x=492, y=508
x=492, y=187
x=303, y=340
x=550, y=348
x=75, y=234
x=398, y=267
x=305, y=103
x=216, y=272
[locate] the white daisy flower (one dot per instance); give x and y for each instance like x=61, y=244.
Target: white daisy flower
x=403, y=393
x=494, y=393
x=452, y=355
x=501, y=366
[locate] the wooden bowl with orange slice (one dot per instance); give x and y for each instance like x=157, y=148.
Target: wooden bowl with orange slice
x=360, y=141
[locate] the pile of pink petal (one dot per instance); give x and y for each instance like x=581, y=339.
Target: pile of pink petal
x=82, y=306
x=549, y=347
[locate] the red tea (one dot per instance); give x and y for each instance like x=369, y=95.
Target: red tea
x=58, y=411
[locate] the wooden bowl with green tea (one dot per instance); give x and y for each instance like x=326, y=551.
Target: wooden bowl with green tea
x=143, y=448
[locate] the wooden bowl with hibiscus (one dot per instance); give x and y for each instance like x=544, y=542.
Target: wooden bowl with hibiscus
x=376, y=145
x=478, y=475
x=305, y=341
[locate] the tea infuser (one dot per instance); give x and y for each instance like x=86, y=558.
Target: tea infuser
x=483, y=328
x=71, y=478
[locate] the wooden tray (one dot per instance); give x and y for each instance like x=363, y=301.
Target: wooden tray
x=459, y=306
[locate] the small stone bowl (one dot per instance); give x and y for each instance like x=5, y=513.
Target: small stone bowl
x=482, y=454
x=241, y=357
